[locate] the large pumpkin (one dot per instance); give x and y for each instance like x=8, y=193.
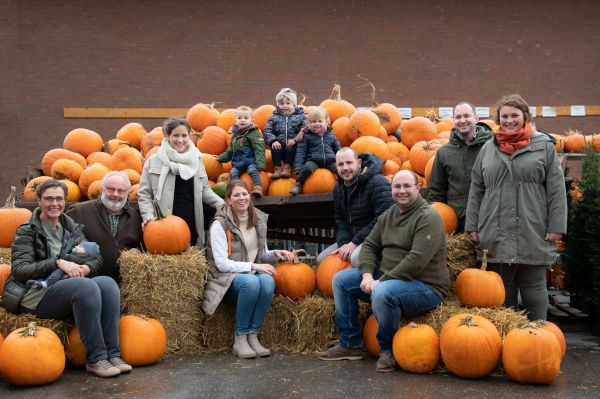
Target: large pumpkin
x=365, y=123
x=479, y=287
x=261, y=115
x=554, y=329
x=212, y=140
x=111, y=146
x=51, y=156
x=11, y=217
x=29, y=194
x=152, y=139
x=226, y=119
x=398, y=152
x=470, y=345
x=281, y=187
x=168, y=235
x=420, y=153
x=343, y=131
x=127, y=158
x=447, y=215
x=295, y=280
x=143, y=341
x=4, y=273
x=32, y=356
x=264, y=181
x=593, y=141
x=417, y=129
x=327, y=269
x=83, y=141
x=94, y=190
x=370, y=336
x=213, y=167
x=335, y=106
x=133, y=192
x=389, y=116
x=416, y=348
x=99, y=157
x=90, y=174
x=445, y=124
x=133, y=133
x=75, y=351
x=73, y=191
x=574, y=142
x=201, y=116
x=371, y=144
x=390, y=168
x=531, y=355
x=320, y=181
x=66, y=169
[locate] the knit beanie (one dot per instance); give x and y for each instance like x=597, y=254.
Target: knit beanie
x=289, y=94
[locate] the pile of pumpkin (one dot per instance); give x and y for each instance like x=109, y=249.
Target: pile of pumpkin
x=574, y=141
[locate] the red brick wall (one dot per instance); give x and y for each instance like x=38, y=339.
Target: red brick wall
x=174, y=54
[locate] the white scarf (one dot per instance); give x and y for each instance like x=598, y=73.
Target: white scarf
x=185, y=164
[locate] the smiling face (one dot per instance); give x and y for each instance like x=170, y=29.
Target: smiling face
x=347, y=165
x=52, y=204
x=317, y=123
x=114, y=193
x=511, y=118
x=243, y=119
x=465, y=120
x=286, y=106
x=405, y=190
x=239, y=200
x=179, y=139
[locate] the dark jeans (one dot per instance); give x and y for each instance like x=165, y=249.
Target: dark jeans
x=289, y=154
x=94, y=303
x=251, y=168
x=311, y=166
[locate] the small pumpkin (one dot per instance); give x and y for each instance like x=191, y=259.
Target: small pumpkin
x=133, y=133
x=327, y=269
x=574, y=141
x=420, y=153
x=416, y=348
x=143, y=341
x=343, y=131
x=133, y=192
x=53, y=155
x=447, y=215
x=99, y=157
x=73, y=191
x=133, y=176
x=390, y=168
x=371, y=144
x=370, y=336
x=83, y=141
x=29, y=194
x=75, y=351
x=66, y=169
x=94, y=190
x=445, y=124
x=295, y=279
x=479, y=287
x=90, y=174
x=4, y=274
x=554, y=329
x=212, y=140
x=32, y=356
x=398, y=151
x=322, y=180
x=168, y=235
x=226, y=119
x=11, y=217
x=264, y=181
x=281, y=187
x=213, y=167
x=151, y=140
x=365, y=123
x=335, y=106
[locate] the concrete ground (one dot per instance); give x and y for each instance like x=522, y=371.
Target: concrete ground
x=304, y=376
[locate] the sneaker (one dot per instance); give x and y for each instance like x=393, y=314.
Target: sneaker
x=102, y=368
x=338, y=352
x=385, y=363
x=120, y=364
x=295, y=190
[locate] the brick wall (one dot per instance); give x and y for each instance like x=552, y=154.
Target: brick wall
x=174, y=54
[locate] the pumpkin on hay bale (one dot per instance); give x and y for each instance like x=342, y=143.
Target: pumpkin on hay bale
x=10, y=322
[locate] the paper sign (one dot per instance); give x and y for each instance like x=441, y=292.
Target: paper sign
x=363, y=108
x=445, y=111
x=577, y=110
x=532, y=111
x=482, y=112
x=549, y=112
x=406, y=113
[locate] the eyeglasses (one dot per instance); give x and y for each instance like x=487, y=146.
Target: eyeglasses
x=112, y=190
x=403, y=186
x=50, y=200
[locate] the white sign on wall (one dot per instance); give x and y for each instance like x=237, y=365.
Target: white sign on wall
x=406, y=113
x=549, y=112
x=577, y=110
x=482, y=112
x=445, y=112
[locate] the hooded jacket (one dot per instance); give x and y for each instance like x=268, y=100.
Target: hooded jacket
x=281, y=128
x=245, y=149
x=320, y=150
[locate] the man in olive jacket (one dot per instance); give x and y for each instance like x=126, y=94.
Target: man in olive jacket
x=403, y=273
x=450, y=177
x=110, y=222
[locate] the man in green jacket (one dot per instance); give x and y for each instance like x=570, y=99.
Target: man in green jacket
x=402, y=272
x=450, y=177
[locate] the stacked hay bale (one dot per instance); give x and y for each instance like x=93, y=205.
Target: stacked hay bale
x=5, y=255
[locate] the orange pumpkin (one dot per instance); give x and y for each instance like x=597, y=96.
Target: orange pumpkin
x=227, y=167
x=554, y=329
x=416, y=348
x=320, y=181
x=593, y=141
x=264, y=180
x=470, y=345
x=29, y=194
x=382, y=134
x=407, y=166
x=11, y=217
x=269, y=167
x=428, y=168
x=111, y=146
x=479, y=287
x=66, y=169
x=133, y=192
x=168, y=235
x=574, y=142
x=213, y=167
x=90, y=174
x=374, y=145
x=445, y=124
x=417, y=129
x=444, y=135
x=4, y=273
x=370, y=336
x=491, y=123
x=281, y=187
x=295, y=280
x=365, y=123
x=143, y=341
x=212, y=140
x=151, y=152
x=152, y=139
x=531, y=355
x=447, y=215
x=398, y=152
x=133, y=176
x=262, y=114
x=83, y=141
x=133, y=133
x=327, y=269
x=335, y=106
x=226, y=119
x=99, y=157
x=343, y=131
x=390, y=168
x=75, y=351
x=389, y=116
x=53, y=155
x=95, y=189
x=201, y=116
x=127, y=158
x=73, y=191
x=32, y=356
x=420, y=153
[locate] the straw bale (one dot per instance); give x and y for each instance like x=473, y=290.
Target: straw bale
x=218, y=330
x=461, y=255
x=168, y=288
x=5, y=255
x=10, y=322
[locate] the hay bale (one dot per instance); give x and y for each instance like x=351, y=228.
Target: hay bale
x=10, y=322
x=218, y=330
x=168, y=288
x=6, y=256
x=461, y=255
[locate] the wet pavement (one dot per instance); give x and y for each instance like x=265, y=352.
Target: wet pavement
x=304, y=376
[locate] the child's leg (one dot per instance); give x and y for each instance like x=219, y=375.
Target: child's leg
x=307, y=170
x=290, y=154
x=54, y=277
x=234, y=174
x=332, y=167
x=253, y=172
x=276, y=154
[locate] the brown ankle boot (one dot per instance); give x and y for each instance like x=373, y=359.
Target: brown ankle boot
x=277, y=173
x=287, y=171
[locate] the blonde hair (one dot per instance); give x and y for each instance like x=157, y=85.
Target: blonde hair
x=243, y=109
x=318, y=112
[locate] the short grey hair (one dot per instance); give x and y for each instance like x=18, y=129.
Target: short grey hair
x=116, y=173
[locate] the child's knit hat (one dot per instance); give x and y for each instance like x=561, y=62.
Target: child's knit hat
x=289, y=94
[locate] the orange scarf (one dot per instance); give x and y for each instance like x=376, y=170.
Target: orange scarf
x=509, y=142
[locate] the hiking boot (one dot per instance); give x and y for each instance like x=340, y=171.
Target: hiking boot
x=257, y=346
x=120, y=364
x=277, y=173
x=287, y=171
x=338, y=352
x=241, y=348
x=102, y=368
x=257, y=192
x=385, y=363
x=295, y=190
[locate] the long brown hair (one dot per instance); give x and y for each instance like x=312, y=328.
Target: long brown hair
x=251, y=210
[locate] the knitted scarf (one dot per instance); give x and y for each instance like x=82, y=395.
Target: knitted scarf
x=509, y=142
x=185, y=164
x=239, y=133
x=305, y=129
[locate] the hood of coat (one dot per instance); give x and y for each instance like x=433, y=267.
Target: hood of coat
x=482, y=134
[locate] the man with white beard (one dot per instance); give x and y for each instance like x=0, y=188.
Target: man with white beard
x=110, y=222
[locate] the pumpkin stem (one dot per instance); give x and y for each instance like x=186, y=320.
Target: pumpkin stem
x=412, y=324
x=12, y=198
x=467, y=321
x=530, y=324
x=296, y=252
x=157, y=211
x=336, y=93
x=30, y=330
x=368, y=83
x=484, y=263
x=197, y=134
x=432, y=116
x=302, y=99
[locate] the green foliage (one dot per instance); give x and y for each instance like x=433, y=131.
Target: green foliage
x=583, y=236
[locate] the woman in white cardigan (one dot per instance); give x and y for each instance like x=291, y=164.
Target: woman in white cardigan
x=176, y=178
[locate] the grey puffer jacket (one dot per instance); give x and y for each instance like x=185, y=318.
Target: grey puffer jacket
x=281, y=128
x=514, y=201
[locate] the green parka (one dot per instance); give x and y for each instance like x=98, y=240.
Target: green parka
x=514, y=201
x=450, y=177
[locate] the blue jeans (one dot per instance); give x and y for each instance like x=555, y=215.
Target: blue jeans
x=327, y=251
x=390, y=300
x=254, y=293
x=252, y=170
